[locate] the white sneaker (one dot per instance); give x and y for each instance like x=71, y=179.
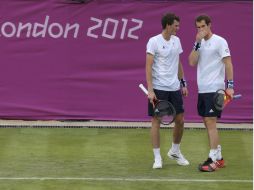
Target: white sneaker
x=157, y=164
x=178, y=157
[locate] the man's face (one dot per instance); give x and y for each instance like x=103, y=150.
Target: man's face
x=203, y=27
x=174, y=27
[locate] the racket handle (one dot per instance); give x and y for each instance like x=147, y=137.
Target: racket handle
x=237, y=96
x=141, y=86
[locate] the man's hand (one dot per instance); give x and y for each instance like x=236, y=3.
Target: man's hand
x=152, y=97
x=185, y=91
x=200, y=35
x=230, y=92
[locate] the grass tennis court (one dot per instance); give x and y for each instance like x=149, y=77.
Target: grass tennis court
x=108, y=158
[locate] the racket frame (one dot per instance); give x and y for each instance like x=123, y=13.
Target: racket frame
x=156, y=102
x=227, y=98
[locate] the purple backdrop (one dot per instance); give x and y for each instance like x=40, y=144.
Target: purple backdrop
x=85, y=61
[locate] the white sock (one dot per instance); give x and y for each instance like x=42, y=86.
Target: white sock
x=219, y=155
x=157, y=154
x=213, y=154
x=175, y=147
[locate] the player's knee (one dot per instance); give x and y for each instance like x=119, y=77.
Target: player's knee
x=210, y=120
x=179, y=121
x=155, y=122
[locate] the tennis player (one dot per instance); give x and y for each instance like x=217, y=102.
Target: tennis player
x=164, y=73
x=212, y=56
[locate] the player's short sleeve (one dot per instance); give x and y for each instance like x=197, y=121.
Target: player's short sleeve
x=224, y=49
x=151, y=46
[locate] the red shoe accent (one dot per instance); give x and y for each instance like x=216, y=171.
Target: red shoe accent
x=209, y=166
x=220, y=163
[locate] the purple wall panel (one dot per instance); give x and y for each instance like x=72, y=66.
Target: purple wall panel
x=57, y=72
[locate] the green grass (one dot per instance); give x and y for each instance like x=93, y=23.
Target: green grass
x=116, y=153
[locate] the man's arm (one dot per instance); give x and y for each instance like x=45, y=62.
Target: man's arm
x=193, y=57
x=181, y=78
x=149, y=77
x=228, y=67
x=180, y=71
x=229, y=75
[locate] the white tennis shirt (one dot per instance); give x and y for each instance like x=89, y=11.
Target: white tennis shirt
x=211, y=69
x=166, y=61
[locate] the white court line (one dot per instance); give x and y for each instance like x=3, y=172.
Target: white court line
x=128, y=179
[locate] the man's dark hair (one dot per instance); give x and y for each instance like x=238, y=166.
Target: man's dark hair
x=168, y=19
x=206, y=18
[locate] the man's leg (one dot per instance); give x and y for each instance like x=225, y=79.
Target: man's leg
x=174, y=152
x=155, y=137
x=214, y=142
x=155, y=132
x=215, y=159
x=213, y=135
x=178, y=129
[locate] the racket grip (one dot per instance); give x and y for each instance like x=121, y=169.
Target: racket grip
x=237, y=96
x=141, y=86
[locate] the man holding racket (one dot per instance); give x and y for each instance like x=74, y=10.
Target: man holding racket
x=212, y=57
x=164, y=73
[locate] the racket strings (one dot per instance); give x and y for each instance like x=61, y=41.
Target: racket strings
x=163, y=108
x=221, y=99
x=165, y=112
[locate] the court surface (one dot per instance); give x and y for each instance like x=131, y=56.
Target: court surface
x=40, y=155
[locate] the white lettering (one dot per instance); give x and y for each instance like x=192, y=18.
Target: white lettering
x=59, y=28
x=68, y=28
x=11, y=32
x=140, y=23
x=42, y=33
x=98, y=25
x=113, y=35
x=125, y=21
x=109, y=28
x=22, y=27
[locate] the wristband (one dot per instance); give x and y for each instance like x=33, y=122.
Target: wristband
x=183, y=83
x=197, y=45
x=230, y=84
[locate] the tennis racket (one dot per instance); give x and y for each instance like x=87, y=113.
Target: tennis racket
x=163, y=109
x=221, y=99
